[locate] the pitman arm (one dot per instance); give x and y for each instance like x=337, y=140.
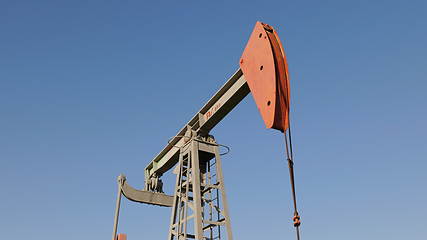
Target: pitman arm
x=263, y=71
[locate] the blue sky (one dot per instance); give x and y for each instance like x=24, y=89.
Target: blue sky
x=92, y=89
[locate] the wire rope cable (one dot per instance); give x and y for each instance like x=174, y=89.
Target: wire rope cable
x=290, y=159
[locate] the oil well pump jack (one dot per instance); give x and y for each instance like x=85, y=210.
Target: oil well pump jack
x=199, y=203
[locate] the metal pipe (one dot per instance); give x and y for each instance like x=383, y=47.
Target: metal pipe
x=116, y=215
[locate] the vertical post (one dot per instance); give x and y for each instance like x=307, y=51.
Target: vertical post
x=187, y=190
x=116, y=215
x=198, y=218
x=223, y=195
x=176, y=199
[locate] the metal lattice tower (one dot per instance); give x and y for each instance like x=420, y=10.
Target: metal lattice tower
x=200, y=209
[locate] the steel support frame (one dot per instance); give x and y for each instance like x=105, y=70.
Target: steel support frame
x=227, y=97
x=200, y=209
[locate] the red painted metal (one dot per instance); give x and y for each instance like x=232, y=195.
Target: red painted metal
x=121, y=236
x=264, y=66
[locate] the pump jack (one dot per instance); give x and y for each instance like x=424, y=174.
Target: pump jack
x=199, y=203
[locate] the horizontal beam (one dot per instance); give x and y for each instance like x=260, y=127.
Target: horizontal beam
x=227, y=97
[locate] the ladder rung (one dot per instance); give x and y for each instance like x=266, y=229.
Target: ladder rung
x=210, y=187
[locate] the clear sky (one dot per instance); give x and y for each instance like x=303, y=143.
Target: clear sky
x=92, y=89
